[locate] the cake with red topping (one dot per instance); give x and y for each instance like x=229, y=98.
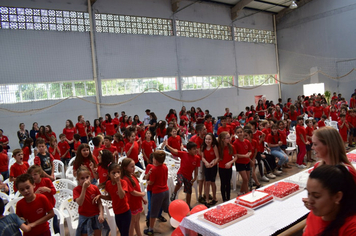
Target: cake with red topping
x=254, y=199
x=282, y=189
x=224, y=214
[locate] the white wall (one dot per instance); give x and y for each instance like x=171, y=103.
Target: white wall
x=51, y=56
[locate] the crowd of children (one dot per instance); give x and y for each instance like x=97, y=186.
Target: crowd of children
x=205, y=147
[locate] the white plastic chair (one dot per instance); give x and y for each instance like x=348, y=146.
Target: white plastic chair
x=31, y=161
x=70, y=163
x=61, y=195
x=5, y=197
x=110, y=216
x=140, y=159
x=9, y=155
x=69, y=173
x=11, y=188
x=72, y=220
x=61, y=223
x=91, y=145
x=11, y=162
x=58, y=169
x=64, y=184
x=11, y=206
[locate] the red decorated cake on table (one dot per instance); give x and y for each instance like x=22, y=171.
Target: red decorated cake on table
x=254, y=199
x=282, y=189
x=224, y=214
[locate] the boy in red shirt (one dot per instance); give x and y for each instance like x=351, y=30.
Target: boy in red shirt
x=321, y=122
x=19, y=167
x=76, y=144
x=64, y=149
x=189, y=163
x=118, y=143
x=4, y=164
x=175, y=141
x=208, y=123
x=158, y=176
x=34, y=208
x=301, y=142
x=97, y=145
x=108, y=146
x=343, y=126
x=317, y=111
x=224, y=126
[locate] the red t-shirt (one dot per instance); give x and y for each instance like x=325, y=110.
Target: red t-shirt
x=242, y=147
x=209, y=126
x=86, y=163
x=134, y=152
x=273, y=138
x=26, y=153
x=254, y=147
x=148, y=147
x=148, y=168
x=119, y=145
x=300, y=130
x=293, y=117
x=110, y=126
x=46, y=182
x=4, y=162
x=4, y=139
x=260, y=146
x=103, y=174
x=226, y=157
x=63, y=147
x=76, y=145
x=352, y=103
x=259, y=110
x=309, y=131
x=175, y=142
x=266, y=131
x=161, y=133
x=88, y=208
x=81, y=129
x=188, y=163
x=16, y=169
x=222, y=129
x=170, y=118
x=197, y=140
x=33, y=211
x=49, y=135
x=119, y=205
x=315, y=225
x=334, y=116
x=159, y=176
x=97, y=130
x=69, y=132
x=56, y=156
x=135, y=203
x=112, y=148
x=343, y=130
x=209, y=155
x=278, y=115
x=96, y=151
x=326, y=111
x=283, y=136
x=321, y=124
x=318, y=112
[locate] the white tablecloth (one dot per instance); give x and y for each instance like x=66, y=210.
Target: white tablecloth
x=266, y=220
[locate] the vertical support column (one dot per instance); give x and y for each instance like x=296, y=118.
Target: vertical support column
x=277, y=58
x=179, y=78
x=93, y=59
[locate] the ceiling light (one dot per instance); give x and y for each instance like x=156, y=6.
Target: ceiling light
x=293, y=5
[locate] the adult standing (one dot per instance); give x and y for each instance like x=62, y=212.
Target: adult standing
x=146, y=118
x=4, y=141
x=22, y=134
x=33, y=132
x=153, y=123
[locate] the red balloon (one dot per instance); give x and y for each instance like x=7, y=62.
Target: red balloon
x=177, y=232
x=198, y=208
x=178, y=209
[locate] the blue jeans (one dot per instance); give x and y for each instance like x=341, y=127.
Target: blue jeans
x=282, y=156
x=123, y=222
x=138, y=164
x=5, y=174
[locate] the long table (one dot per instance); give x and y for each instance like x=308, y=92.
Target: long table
x=266, y=220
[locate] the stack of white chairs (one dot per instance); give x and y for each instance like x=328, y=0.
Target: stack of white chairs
x=59, y=171
x=71, y=207
x=64, y=184
x=60, y=221
x=69, y=173
x=292, y=144
x=10, y=207
x=5, y=197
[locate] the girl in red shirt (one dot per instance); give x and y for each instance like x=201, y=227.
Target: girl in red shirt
x=161, y=131
x=110, y=125
x=227, y=157
x=136, y=120
x=309, y=129
x=27, y=149
x=84, y=157
x=89, y=210
x=49, y=134
x=80, y=127
x=148, y=146
x=136, y=196
x=200, y=116
x=293, y=115
x=261, y=109
x=132, y=149
x=117, y=189
x=69, y=131
x=53, y=149
x=41, y=133
x=210, y=157
x=89, y=129
x=105, y=158
x=274, y=142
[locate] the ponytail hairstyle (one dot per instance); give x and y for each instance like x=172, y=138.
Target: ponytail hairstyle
x=106, y=159
x=213, y=144
x=337, y=179
x=124, y=164
x=221, y=146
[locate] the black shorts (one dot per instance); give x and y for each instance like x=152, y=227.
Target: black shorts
x=309, y=147
x=243, y=167
x=187, y=184
x=210, y=173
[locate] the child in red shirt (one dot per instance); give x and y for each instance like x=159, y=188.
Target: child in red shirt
x=175, y=141
x=27, y=149
x=4, y=164
x=34, y=208
x=108, y=146
x=76, y=144
x=317, y=111
x=301, y=142
x=208, y=124
x=84, y=157
x=97, y=141
x=89, y=209
x=189, y=163
x=148, y=146
x=333, y=114
x=119, y=143
x=224, y=126
x=343, y=126
x=117, y=189
x=19, y=167
x=64, y=149
x=81, y=128
x=309, y=129
x=135, y=194
x=105, y=158
x=157, y=176
x=132, y=149
x=321, y=122
x=54, y=149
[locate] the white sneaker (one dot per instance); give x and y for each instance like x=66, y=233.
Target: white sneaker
x=265, y=179
x=271, y=176
x=301, y=166
x=277, y=172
